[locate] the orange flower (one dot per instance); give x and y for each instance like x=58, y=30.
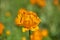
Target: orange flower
x=31, y=20
x=39, y=34
x=33, y=1
x=1, y=28
x=45, y=32
x=36, y=35
x=41, y=3
x=56, y=2
x=28, y=19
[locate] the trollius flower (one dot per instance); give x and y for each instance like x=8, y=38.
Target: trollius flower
x=56, y=2
x=1, y=28
x=45, y=32
x=36, y=35
x=28, y=19
x=39, y=34
x=41, y=3
x=33, y=2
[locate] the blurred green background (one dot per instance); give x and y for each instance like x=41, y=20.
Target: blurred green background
x=49, y=15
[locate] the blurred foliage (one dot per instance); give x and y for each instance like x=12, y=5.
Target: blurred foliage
x=49, y=15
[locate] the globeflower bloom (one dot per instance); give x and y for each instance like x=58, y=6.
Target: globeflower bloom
x=1, y=28
x=39, y=34
x=28, y=19
x=56, y=2
x=44, y=32
x=36, y=35
x=41, y=3
x=33, y=2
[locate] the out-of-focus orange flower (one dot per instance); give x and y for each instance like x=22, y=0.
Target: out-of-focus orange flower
x=45, y=32
x=56, y=2
x=28, y=19
x=33, y=1
x=36, y=35
x=1, y=28
x=39, y=34
x=41, y=3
